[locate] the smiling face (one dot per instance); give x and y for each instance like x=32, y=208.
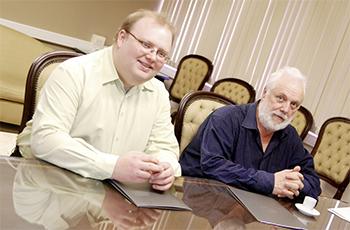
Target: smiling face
x=279, y=103
x=134, y=62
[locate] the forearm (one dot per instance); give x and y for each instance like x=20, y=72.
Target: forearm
x=74, y=154
x=236, y=175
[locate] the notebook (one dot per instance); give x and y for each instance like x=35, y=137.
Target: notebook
x=266, y=209
x=143, y=196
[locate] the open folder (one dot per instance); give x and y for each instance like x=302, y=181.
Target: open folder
x=143, y=196
x=266, y=209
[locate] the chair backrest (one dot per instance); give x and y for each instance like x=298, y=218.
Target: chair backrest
x=237, y=90
x=332, y=153
x=194, y=108
x=192, y=73
x=38, y=73
x=302, y=121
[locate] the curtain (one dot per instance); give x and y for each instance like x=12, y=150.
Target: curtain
x=250, y=39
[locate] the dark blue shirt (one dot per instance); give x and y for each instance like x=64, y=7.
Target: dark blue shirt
x=227, y=147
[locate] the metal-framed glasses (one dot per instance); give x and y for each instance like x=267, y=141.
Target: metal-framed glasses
x=161, y=54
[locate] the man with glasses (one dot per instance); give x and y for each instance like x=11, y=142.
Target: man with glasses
x=103, y=115
x=253, y=146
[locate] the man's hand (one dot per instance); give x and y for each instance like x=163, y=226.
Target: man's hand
x=136, y=167
x=164, y=179
x=288, y=182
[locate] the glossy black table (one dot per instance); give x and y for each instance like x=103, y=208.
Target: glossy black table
x=38, y=195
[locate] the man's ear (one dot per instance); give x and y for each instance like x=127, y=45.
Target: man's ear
x=120, y=37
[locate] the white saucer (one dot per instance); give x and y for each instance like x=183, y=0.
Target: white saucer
x=305, y=211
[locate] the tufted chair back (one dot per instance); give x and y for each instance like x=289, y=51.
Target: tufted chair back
x=38, y=73
x=194, y=108
x=237, y=90
x=332, y=153
x=302, y=121
x=192, y=73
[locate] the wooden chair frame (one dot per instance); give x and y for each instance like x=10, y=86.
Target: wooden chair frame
x=309, y=121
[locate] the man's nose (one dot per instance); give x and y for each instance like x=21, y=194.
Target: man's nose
x=152, y=54
x=285, y=106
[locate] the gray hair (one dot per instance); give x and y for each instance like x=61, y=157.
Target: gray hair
x=285, y=71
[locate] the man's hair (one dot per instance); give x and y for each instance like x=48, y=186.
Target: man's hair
x=285, y=71
x=160, y=18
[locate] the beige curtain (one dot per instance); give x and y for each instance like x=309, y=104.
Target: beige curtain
x=249, y=39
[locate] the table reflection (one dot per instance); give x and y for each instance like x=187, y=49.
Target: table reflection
x=58, y=199
x=216, y=205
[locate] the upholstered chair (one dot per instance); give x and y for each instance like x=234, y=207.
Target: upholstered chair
x=18, y=51
x=192, y=73
x=332, y=153
x=302, y=122
x=194, y=108
x=237, y=90
x=38, y=73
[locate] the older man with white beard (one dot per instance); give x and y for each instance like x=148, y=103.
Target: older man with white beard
x=253, y=146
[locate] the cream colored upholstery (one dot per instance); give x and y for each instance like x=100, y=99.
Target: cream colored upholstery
x=332, y=153
x=237, y=90
x=302, y=121
x=192, y=73
x=18, y=51
x=194, y=108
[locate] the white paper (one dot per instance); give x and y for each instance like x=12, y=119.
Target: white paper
x=343, y=213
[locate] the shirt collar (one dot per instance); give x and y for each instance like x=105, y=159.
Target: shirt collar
x=249, y=121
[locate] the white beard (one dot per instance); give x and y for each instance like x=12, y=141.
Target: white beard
x=265, y=117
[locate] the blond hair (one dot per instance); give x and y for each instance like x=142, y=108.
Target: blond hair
x=160, y=18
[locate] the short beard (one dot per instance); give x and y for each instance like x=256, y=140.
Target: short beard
x=265, y=118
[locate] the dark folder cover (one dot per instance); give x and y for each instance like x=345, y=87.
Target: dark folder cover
x=266, y=209
x=143, y=196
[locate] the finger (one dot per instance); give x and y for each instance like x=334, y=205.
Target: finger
x=161, y=187
x=142, y=176
x=150, y=159
x=294, y=176
x=297, y=168
x=161, y=175
x=163, y=182
x=151, y=167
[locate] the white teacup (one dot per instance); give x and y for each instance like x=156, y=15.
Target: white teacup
x=309, y=202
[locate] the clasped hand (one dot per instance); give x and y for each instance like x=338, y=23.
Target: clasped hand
x=138, y=167
x=288, y=182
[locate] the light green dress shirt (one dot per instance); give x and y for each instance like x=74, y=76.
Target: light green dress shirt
x=85, y=119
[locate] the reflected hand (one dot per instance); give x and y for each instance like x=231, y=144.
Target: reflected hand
x=288, y=182
x=163, y=180
x=125, y=215
x=136, y=167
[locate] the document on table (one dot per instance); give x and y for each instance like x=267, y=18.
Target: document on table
x=143, y=196
x=266, y=209
x=343, y=212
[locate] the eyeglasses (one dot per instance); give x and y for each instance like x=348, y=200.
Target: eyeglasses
x=161, y=54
